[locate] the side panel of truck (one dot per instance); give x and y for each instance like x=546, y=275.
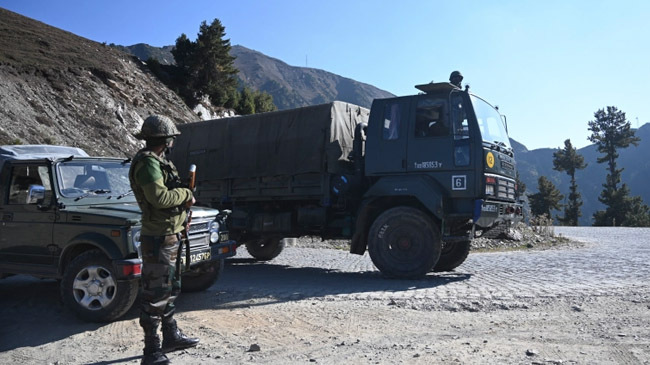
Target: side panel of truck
x=281, y=155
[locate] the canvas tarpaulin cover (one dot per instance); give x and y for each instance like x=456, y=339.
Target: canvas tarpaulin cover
x=310, y=139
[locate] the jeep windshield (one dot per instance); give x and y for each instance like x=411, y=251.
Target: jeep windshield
x=93, y=178
x=491, y=125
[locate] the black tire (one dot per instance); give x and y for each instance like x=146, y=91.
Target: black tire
x=404, y=243
x=202, y=277
x=90, y=288
x=265, y=248
x=453, y=254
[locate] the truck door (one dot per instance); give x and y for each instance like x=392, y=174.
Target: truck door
x=430, y=145
x=439, y=142
x=26, y=225
x=387, y=137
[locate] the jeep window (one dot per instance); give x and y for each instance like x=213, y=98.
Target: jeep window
x=88, y=178
x=25, y=176
x=430, y=118
x=392, y=115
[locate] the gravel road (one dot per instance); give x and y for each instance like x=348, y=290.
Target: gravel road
x=569, y=305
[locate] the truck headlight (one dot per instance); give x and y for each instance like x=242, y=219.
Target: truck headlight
x=489, y=189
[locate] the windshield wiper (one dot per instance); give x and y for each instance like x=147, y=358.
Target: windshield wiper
x=125, y=194
x=93, y=192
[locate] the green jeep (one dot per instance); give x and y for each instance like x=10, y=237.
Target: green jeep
x=72, y=217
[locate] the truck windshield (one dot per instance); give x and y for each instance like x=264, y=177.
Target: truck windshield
x=490, y=123
x=85, y=178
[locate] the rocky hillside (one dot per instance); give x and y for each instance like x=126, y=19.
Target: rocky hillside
x=290, y=86
x=59, y=88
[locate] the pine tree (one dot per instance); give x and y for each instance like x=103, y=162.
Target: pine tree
x=569, y=160
x=611, y=131
x=546, y=199
x=207, y=64
x=214, y=66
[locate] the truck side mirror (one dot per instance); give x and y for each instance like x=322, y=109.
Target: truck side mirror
x=36, y=194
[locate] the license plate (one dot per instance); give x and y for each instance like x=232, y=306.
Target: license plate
x=197, y=257
x=223, y=237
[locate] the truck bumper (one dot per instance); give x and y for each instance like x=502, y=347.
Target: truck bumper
x=490, y=212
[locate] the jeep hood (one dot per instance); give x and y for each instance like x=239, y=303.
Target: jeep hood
x=125, y=212
x=104, y=213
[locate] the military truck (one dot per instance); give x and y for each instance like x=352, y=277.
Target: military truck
x=71, y=217
x=411, y=180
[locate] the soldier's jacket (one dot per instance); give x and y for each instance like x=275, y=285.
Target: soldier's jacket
x=157, y=189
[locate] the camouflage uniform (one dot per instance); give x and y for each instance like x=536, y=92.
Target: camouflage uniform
x=156, y=187
x=162, y=199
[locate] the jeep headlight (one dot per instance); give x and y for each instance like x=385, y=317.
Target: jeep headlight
x=214, y=232
x=135, y=239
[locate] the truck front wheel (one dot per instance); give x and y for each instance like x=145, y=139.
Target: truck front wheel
x=404, y=243
x=453, y=254
x=90, y=288
x=202, y=277
x=265, y=248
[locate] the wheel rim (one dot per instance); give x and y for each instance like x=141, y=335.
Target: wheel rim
x=404, y=244
x=94, y=288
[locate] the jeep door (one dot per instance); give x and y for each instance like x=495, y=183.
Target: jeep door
x=26, y=222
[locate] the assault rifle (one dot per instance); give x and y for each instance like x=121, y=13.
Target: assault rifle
x=188, y=219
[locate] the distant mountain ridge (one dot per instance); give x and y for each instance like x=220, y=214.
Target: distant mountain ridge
x=290, y=86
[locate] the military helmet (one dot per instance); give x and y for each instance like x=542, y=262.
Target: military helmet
x=157, y=126
x=456, y=74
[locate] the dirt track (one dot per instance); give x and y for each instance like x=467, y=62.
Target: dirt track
x=587, y=305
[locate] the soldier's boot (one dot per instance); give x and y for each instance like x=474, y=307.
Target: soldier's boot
x=153, y=354
x=173, y=337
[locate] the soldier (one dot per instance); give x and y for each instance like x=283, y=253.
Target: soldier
x=456, y=78
x=163, y=202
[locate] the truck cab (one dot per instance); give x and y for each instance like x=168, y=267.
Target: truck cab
x=446, y=152
x=455, y=140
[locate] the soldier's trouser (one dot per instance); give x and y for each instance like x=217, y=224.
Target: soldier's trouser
x=160, y=287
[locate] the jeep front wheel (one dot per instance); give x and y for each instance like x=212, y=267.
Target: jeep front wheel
x=265, y=248
x=90, y=288
x=201, y=278
x=404, y=243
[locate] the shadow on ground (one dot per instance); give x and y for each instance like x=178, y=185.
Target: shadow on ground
x=27, y=305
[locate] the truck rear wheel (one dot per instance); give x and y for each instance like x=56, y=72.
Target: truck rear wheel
x=404, y=243
x=202, y=277
x=453, y=255
x=265, y=248
x=90, y=288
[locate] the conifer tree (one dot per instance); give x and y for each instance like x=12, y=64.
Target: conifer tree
x=569, y=160
x=611, y=131
x=546, y=199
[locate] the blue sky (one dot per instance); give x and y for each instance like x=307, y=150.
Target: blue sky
x=549, y=65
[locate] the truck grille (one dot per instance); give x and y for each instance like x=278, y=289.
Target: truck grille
x=505, y=187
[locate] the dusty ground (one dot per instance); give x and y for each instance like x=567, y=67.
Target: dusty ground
x=582, y=305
